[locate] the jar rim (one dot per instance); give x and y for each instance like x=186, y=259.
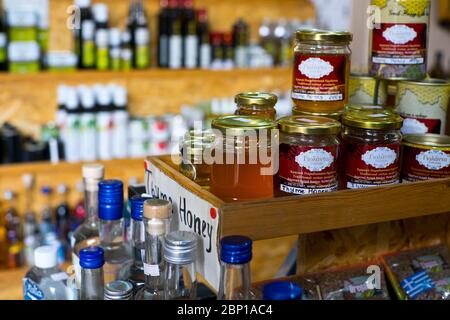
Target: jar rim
x=309, y=125
x=240, y=125
x=323, y=35
x=373, y=120
x=260, y=99
x=428, y=140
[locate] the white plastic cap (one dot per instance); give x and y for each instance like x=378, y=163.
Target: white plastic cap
x=45, y=257
x=71, y=99
x=103, y=95
x=83, y=3
x=114, y=37
x=93, y=171
x=87, y=97
x=120, y=96
x=62, y=94
x=100, y=11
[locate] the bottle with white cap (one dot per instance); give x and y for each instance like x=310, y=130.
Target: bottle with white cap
x=72, y=133
x=88, y=123
x=126, y=52
x=105, y=123
x=45, y=281
x=85, y=36
x=180, y=252
x=114, y=48
x=156, y=216
x=101, y=35
x=120, y=120
x=87, y=233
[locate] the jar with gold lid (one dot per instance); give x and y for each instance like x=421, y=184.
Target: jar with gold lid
x=194, y=148
x=333, y=115
x=321, y=70
x=367, y=108
x=371, y=142
x=243, y=166
x=308, y=155
x=257, y=104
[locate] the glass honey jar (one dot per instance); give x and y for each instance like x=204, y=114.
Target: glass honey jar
x=333, y=115
x=243, y=165
x=321, y=70
x=258, y=104
x=194, y=148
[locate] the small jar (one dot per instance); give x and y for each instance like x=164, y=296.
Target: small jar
x=193, y=149
x=257, y=104
x=309, y=149
x=367, y=108
x=333, y=115
x=243, y=165
x=371, y=142
x=321, y=70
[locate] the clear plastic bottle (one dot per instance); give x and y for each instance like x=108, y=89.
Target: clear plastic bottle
x=235, y=275
x=157, y=214
x=180, y=251
x=45, y=281
x=92, y=260
x=110, y=205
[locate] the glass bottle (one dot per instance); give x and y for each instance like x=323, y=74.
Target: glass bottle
x=438, y=71
x=45, y=281
x=204, y=55
x=180, y=251
x=190, y=37
x=92, y=278
x=110, y=210
x=13, y=233
x=101, y=17
x=235, y=275
x=63, y=217
x=87, y=234
x=138, y=26
x=119, y=290
x=85, y=36
x=30, y=226
x=163, y=34
x=157, y=214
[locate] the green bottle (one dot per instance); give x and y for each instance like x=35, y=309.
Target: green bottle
x=101, y=36
x=22, y=26
x=24, y=57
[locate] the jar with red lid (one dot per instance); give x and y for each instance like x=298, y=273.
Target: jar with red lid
x=308, y=155
x=371, y=143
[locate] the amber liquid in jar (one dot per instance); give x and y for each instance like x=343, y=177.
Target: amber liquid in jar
x=265, y=113
x=257, y=104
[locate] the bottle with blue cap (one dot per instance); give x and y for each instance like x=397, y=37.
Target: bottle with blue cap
x=235, y=275
x=282, y=291
x=92, y=277
x=134, y=271
x=157, y=215
x=110, y=211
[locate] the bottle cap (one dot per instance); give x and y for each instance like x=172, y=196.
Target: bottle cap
x=45, y=257
x=93, y=171
x=157, y=209
x=28, y=180
x=71, y=99
x=282, y=291
x=120, y=97
x=236, y=250
x=86, y=97
x=118, y=290
x=110, y=200
x=46, y=190
x=137, y=207
x=180, y=247
x=62, y=94
x=92, y=258
x=83, y=3
x=61, y=189
x=100, y=11
x=103, y=95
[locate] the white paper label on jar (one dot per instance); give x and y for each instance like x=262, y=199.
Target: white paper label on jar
x=151, y=270
x=315, y=68
x=399, y=34
x=187, y=208
x=379, y=158
x=433, y=159
x=413, y=126
x=315, y=160
x=353, y=185
x=306, y=191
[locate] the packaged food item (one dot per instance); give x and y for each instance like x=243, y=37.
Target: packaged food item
x=333, y=115
x=365, y=89
x=423, y=105
x=422, y=274
x=243, y=165
x=257, y=104
x=321, y=70
x=371, y=142
x=425, y=157
x=308, y=156
x=399, y=42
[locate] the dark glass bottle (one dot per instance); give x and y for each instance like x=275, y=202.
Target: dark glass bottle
x=241, y=42
x=138, y=26
x=163, y=34
x=217, y=50
x=3, y=46
x=101, y=36
x=85, y=36
x=190, y=37
x=62, y=212
x=175, y=36
x=204, y=44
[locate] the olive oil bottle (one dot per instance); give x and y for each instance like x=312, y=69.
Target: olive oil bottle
x=85, y=36
x=138, y=26
x=101, y=36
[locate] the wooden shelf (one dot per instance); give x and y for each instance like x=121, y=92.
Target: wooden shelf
x=28, y=101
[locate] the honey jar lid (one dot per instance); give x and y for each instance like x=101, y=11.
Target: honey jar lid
x=429, y=140
x=373, y=120
x=240, y=125
x=157, y=209
x=367, y=107
x=309, y=125
x=428, y=82
x=323, y=35
x=333, y=115
x=260, y=99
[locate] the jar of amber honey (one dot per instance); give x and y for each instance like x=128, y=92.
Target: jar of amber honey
x=321, y=70
x=371, y=142
x=243, y=165
x=309, y=148
x=257, y=104
x=195, y=148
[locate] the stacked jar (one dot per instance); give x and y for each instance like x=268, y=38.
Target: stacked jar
x=321, y=72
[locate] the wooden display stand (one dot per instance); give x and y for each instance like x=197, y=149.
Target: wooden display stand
x=335, y=229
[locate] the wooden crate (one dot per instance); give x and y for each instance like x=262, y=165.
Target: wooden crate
x=336, y=228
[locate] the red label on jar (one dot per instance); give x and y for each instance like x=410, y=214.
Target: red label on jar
x=421, y=126
x=421, y=164
x=371, y=165
x=307, y=170
x=319, y=78
x=399, y=43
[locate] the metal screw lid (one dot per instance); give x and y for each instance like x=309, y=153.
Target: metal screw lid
x=118, y=290
x=180, y=247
